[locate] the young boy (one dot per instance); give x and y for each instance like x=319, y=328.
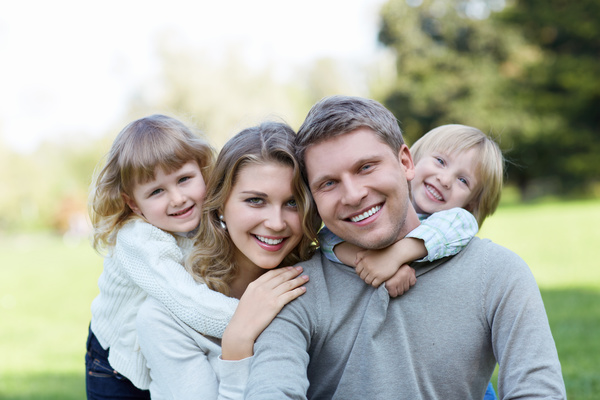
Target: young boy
x=457, y=184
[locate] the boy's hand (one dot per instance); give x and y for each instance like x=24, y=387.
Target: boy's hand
x=375, y=266
x=402, y=280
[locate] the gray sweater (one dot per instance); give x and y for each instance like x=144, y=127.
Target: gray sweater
x=440, y=340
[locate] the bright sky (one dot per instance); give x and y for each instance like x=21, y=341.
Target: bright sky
x=68, y=65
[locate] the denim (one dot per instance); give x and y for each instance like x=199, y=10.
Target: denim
x=490, y=394
x=102, y=382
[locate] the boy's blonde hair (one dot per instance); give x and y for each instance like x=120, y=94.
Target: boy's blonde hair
x=211, y=261
x=142, y=146
x=456, y=138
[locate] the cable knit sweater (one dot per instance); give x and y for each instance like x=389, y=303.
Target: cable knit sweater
x=148, y=261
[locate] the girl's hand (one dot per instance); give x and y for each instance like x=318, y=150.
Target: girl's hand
x=260, y=303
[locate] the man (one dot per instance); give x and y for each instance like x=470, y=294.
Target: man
x=344, y=339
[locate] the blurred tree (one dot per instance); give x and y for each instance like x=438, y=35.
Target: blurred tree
x=478, y=63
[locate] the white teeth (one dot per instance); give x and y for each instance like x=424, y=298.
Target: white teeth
x=366, y=214
x=434, y=192
x=269, y=241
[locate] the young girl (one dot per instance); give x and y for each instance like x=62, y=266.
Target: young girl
x=457, y=184
x=257, y=216
x=145, y=206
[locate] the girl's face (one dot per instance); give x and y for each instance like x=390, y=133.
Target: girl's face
x=443, y=181
x=171, y=202
x=262, y=216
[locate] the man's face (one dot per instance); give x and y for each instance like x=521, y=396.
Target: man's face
x=360, y=187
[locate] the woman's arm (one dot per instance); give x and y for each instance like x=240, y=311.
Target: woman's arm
x=260, y=303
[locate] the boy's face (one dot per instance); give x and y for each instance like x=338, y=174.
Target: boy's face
x=443, y=181
x=171, y=202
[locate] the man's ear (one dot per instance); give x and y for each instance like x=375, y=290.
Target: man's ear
x=406, y=160
x=132, y=204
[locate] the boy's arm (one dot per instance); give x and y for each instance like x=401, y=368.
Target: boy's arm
x=153, y=261
x=445, y=233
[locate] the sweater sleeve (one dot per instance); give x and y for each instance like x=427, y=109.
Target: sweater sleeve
x=153, y=261
x=233, y=376
x=523, y=344
x=445, y=233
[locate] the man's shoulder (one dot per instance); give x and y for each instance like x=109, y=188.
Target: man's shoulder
x=483, y=251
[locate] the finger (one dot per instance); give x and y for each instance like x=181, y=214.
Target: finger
x=288, y=296
x=277, y=276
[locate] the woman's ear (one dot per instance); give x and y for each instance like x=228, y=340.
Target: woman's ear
x=132, y=204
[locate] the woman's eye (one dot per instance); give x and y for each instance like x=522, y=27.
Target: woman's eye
x=292, y=203
x=254, y=201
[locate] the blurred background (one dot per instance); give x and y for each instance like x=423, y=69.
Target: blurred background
x=74, y=73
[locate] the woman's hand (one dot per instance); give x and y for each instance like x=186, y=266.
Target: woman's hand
x=260, y=303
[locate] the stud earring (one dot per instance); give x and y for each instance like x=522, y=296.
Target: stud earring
x=222, y=222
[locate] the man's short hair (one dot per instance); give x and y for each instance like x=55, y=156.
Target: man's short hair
x=337, y=115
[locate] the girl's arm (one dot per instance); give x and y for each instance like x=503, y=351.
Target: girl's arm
x=260, y=303
x=153, y=261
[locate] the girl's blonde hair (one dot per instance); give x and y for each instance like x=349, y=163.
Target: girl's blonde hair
x=211, y=261
x=456, y=138
x=156, y=141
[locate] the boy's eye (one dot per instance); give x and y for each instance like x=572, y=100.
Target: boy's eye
x=464, y=181
x=440, y=160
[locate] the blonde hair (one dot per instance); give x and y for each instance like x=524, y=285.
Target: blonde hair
x=456, y=138
x=156, y=141
x=211, y=261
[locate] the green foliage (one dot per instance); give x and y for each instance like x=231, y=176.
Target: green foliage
x=527, y=74
x=47, y=286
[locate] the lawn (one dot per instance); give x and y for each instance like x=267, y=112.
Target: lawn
x=47, y=285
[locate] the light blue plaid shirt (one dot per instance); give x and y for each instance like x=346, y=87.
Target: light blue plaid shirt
x=445, y=233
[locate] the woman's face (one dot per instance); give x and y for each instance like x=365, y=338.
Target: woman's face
x=262, y=216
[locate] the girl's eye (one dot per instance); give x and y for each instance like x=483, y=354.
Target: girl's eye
x=255, y=201
x=155, y=192
x=464, y=181
x=440, y=160
x=185, y=178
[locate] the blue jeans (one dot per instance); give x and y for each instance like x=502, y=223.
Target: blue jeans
x=102, y=382
x=490, y=394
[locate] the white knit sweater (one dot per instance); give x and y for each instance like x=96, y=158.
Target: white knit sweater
x=148, y=261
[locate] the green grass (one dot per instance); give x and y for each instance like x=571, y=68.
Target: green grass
x=46, y=288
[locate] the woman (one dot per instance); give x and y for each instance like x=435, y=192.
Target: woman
x=257, y=216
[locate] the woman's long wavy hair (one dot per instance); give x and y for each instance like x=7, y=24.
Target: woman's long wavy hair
x=141, y=147
x=211, y=261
